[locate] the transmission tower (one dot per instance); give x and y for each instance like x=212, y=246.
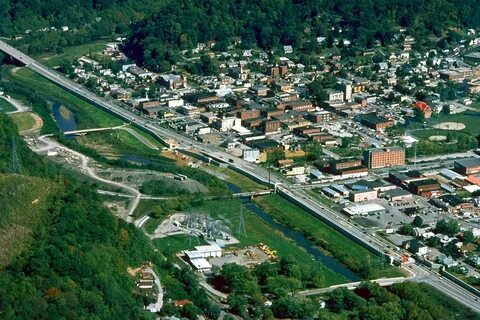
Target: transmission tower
x=241, y=224
x=14, y=161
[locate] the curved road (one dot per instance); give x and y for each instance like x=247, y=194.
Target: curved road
x=51, y=144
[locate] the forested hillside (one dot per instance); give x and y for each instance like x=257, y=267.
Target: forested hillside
x=271, y=23
x=63, y=255
x=87, y=20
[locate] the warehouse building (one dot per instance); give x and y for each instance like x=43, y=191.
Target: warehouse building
x=467, y=166
x=364, y=209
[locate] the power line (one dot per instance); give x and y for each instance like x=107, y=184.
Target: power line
x=15, y=166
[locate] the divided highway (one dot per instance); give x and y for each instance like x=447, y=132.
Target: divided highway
x=283, y=187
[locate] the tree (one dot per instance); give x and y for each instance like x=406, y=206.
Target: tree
x=289, y=267
x=317, y=91
x=449, y=227
x=406, y=229
x=282, y=285
x=468, y=236
x=417, y=221
x=446, y=110
x=314, y=150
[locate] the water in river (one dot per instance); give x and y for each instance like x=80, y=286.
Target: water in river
x=65, y=124
x=299, y=238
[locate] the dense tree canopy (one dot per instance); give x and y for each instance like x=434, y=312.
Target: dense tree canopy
x=269, y=23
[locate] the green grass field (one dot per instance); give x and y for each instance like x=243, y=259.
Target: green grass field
x=72, y=53
x=177, y=243
x=5, y=106
x=24, y=121
x=244, y=183
x=328, y=239
x=470, y=119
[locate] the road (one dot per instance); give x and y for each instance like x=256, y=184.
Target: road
x=54, y=145
x=258, y=173
x=17, y=104
x=350, y=286
x=157, y=306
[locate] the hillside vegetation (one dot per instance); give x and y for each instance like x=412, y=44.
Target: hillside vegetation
x=63, y=255
x=269, y=24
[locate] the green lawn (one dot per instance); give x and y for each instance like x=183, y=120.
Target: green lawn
x=5, y=106
x=329, y=240
x=177, y=243
x=244, y=183
x=72, y=53
x=258, y=231
x=24, y=121
x=469, y=118
x=114, y=144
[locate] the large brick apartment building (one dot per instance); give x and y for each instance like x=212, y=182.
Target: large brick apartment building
x=384, y=157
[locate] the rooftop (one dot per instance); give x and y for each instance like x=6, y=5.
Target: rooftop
x=471, y=162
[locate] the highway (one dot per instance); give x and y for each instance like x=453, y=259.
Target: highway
x=283, y=187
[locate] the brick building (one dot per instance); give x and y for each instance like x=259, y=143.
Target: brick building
x=384, y=157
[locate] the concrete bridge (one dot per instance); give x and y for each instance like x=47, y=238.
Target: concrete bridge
x=83, y=131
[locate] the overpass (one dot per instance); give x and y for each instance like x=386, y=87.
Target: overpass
x=253, y=171
x=79, y=132
x=383, y=282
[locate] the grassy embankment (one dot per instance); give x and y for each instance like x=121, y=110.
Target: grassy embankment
x=6, y=106
x=327, y=239
x=244, y=183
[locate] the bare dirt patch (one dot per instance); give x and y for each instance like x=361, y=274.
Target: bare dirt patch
x=437, y=138
x=450, y=126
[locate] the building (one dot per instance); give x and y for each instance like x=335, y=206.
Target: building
x=251, y=155
x=225, y=124
x=248, y=114
x=375, y=122
x=173, y=81
x=364, y=209
x=416, y=247
x=425, y=187
x=320, y=117
x=363, y=195
x=334, y=95
x=424, y=109
x=340, y=164
x=467, y=166
x=295, y=171
x=270, y=126
x=384, y=157
x=197, y=257
x=398, y=194
x=259, y=90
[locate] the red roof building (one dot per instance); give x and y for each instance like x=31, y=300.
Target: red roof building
x=424, y=108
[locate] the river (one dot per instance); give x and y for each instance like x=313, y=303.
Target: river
x=299, y=238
